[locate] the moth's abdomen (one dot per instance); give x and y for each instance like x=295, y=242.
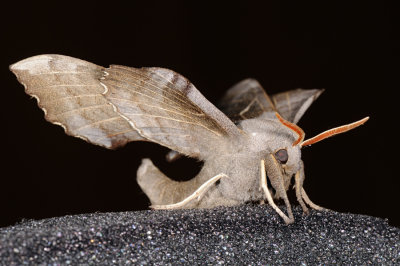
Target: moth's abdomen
x=160, y=189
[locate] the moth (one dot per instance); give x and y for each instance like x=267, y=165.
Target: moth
x=253, y=139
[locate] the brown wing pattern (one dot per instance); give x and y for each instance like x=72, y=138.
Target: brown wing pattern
x=110, y=107
x=69, y=92
x=247, y=99
x=166, y=108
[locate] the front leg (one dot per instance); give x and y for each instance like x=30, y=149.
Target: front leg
x=301, y=193
x=299, y=179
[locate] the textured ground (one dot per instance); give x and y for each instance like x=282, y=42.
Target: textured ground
x=241, y=235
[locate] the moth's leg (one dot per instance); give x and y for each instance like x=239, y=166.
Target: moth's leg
x=299, y=189
x=299, y=179
x=198, y=194
x=264, y=186
x=309, y=202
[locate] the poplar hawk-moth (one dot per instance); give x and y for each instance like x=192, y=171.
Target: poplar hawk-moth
x=250, y=140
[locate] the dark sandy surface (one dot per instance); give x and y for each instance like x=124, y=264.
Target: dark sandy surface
x=242, y=235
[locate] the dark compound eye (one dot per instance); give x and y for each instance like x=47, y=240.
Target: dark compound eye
x=282, y=156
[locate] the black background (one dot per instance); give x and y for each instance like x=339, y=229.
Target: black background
x=348, y=49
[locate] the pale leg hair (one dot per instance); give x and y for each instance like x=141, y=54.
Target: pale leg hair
x=198, y=194
x=271, y=202
x=298, y=188
x=309, y=202
x=301, y=193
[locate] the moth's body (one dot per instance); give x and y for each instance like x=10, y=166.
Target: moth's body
x=254, y=137
x=239, y=159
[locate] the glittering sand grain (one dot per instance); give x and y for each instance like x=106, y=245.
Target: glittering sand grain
x=240, y=235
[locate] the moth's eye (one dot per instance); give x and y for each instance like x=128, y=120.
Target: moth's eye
x=282, y=156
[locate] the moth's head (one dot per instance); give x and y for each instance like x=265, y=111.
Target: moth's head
x=288, y=157
x=284, y=140
x=269, y=137
x=284, y=155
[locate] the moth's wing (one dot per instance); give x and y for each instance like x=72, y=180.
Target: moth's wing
x=71, y=95
x=164, y=107
x=292, y=104
x=245, y=100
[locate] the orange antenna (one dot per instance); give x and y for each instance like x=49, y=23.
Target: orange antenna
x=293, y=127
x=333, y=131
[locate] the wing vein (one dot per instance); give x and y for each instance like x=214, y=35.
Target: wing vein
x=176, y=120
x=171, y=91
x=71, y=85
x=115, y=134
x=97, y=122
x=161, y=77
x=61, y=72
x=156, y=99
x=73, y=97
x=81, y=108
x=154, y=106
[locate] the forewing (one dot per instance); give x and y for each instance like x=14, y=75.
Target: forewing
x=245, y=100
x=70, y=94
x=166, y=108
x=291, y=105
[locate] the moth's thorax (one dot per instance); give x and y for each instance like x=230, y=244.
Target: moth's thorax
x=267, y=136
x=263, y=134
